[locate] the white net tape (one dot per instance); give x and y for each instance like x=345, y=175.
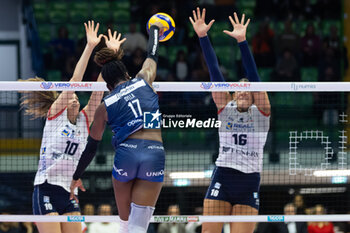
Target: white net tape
x=185, y=86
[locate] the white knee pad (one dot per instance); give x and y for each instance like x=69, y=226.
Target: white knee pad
x=139, y=218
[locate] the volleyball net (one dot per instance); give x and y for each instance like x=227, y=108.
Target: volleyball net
x=305, y=156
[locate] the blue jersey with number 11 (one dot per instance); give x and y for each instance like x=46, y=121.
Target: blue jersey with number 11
x=126, y=105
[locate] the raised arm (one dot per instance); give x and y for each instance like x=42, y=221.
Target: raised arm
x=89, y=153
x=261, y=99
x=94, y=102
x=92, y=41
x=149, y=67
x=201, y=29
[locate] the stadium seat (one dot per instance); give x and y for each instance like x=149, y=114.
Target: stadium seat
x=101, y=11
x=172, y=52
x=225, y=55
x=120, y=5
x=327, y=24
x=162, y=51
x=79, y=12
x=45, y=33
x=58, y=12
x=309, y=74
x=265, y=74
x=40, y=9
x=54, y=75
x=121, y=16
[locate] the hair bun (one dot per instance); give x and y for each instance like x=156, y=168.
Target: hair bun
x=107, y=55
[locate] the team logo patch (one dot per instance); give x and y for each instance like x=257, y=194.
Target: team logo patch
x=229, y=125
x=152, y=120
x=217, y=185
x=46, y=199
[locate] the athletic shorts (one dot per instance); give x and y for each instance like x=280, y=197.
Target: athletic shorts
x=48, y=198
x=141, y=159
x=235, y=187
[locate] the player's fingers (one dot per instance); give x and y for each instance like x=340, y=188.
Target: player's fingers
x=198, y=13
x=75, y=198
x=203, y=13
x=81, y=187
x=211, y=23
x=194, y=16
x=106, y=38
x=119, y=35
x=191, y=20
x=236, y=18
x=92, y=25
x=71, y=196
x=232, y=21
x=123, y=40
x=97, y=27
x=86, y=27
x=227, y=32
x=100, y=36
x=247, y=23
x=242, y=20
x=114, y=34
x=109, y=33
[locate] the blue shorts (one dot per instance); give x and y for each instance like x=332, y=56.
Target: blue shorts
x=141, y=159
x=234, y=187
x=48, y=198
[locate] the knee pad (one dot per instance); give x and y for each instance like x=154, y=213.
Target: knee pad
x=139, y=218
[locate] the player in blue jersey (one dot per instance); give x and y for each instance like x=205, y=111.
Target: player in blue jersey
x=138, y=169
x=244, y=116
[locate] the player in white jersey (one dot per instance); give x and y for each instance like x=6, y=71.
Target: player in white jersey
x=244, y=116
x=64, y=138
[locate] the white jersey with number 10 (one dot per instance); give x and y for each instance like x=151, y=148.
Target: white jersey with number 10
x=61, y=147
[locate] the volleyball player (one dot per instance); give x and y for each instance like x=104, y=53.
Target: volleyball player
x=64, y=139
x=245, y=123
x=138, y=169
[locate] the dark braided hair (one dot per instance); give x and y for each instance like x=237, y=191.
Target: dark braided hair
x=113, y=70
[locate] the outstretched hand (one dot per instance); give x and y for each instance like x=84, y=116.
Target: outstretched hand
x=76, y=184
x=91, y=33
x=198, y=23
x=113, y=41
x=239, y=28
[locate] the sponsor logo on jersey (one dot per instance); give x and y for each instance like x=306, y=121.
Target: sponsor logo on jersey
x=154, y=147
x=46, y=199
x=158, y=173
x=152, y=120
x=133, y=122
x=133, y=146
x=43, y=150
x=65, y=133
x=229, y=125
x=120, y=172
x=217, y=185
x=275, y=218
x=75, y=218
x=46, y=85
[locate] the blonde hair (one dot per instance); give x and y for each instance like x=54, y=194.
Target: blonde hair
x=37, y=103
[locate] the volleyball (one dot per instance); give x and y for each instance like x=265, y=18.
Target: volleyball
x=165, y=20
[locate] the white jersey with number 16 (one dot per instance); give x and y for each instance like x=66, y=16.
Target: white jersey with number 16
x=242, y=138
